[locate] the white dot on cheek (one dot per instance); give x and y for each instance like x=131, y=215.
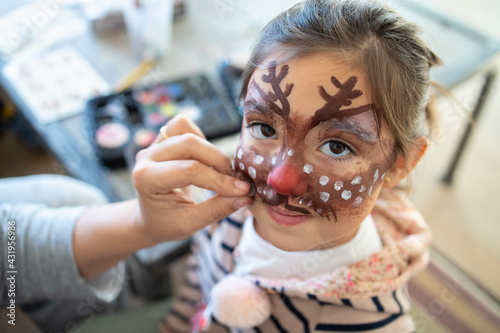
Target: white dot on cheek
x=323, y=180
x=242, y=166
x=375, y=176
x=324, y=196
x=362, y=189
x=240, y=153
x=346, y=195
x=273, y=160
x=356, y=180
x=252, y=172
x=308, y=168
x=290, y=152
x=258, y=159
x=370, y=190
x=357, y=201
x=338, y=185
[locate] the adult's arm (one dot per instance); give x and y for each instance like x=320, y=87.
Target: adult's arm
x=37, y=260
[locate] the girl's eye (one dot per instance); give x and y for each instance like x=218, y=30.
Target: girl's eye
x=335, y=149
x=262, y=131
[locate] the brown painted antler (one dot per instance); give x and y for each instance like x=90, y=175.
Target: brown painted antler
x=277, y=93
x=343, y=97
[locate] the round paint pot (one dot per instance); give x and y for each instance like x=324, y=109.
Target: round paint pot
x=144, y=137
x=111, y=139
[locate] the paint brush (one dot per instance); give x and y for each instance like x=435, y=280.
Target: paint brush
x=134, y=75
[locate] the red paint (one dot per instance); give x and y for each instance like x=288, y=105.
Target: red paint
x=286, y=180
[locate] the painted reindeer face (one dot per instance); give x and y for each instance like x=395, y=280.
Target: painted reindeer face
x=311, y=144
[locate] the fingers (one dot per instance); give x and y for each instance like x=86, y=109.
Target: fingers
x=185, y=142
x=215, y=209
x=179, y=125
x=191, y=147
x=162, y=177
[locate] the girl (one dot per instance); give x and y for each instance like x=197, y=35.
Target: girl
x=336, y=114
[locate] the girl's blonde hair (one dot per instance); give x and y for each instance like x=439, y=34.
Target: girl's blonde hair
x=385, y=46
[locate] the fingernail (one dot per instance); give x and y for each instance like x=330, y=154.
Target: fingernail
x=240, y=203
x=252, y=191
x=242, y=185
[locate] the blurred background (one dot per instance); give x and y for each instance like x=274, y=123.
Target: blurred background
x=86, y=84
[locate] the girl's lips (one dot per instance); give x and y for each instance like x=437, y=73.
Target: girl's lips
x=285, y=216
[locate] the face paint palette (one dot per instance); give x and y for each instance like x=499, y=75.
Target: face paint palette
x=149, y=108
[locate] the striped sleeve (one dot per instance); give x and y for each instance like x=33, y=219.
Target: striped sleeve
x=177, y=320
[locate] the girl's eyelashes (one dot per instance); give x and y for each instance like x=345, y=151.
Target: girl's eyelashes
x=336, y=149
x=262, y=131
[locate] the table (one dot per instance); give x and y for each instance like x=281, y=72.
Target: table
x=110, y=54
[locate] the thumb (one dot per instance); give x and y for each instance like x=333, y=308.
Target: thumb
x=215, y=209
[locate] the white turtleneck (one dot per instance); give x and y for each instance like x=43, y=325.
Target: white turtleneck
x=255, y=256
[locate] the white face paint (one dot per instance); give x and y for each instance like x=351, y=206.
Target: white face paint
x=258, y=159
x=325, y=196
x=346, y=195
x=308, y=168
x=273, y=160
x=338, y=185
x=290, y=152
x=370, y=190
x=357, y=201
x=362, y=189
x=323, y=180
x=242, y=166
x=356, y=180
x=252, y=172
x=240, y=153
x=375, y=176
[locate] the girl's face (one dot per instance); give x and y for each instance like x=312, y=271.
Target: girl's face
x=311, y=144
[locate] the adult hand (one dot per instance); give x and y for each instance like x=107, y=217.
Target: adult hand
x=163, y=173
x=164, y=209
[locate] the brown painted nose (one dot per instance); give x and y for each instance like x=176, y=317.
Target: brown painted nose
x=286, y=180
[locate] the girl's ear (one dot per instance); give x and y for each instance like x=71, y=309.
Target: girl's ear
x=402, y=168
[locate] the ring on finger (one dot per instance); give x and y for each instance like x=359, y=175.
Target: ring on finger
x=163, y=131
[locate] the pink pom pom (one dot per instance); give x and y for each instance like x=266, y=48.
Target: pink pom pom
x=239, y=303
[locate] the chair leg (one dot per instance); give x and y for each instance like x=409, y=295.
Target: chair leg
x=487, y=85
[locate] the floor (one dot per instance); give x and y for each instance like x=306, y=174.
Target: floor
x=464, y=217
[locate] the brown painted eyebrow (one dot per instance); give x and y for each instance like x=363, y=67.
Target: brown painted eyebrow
x=354, y=128
x=252, y=105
